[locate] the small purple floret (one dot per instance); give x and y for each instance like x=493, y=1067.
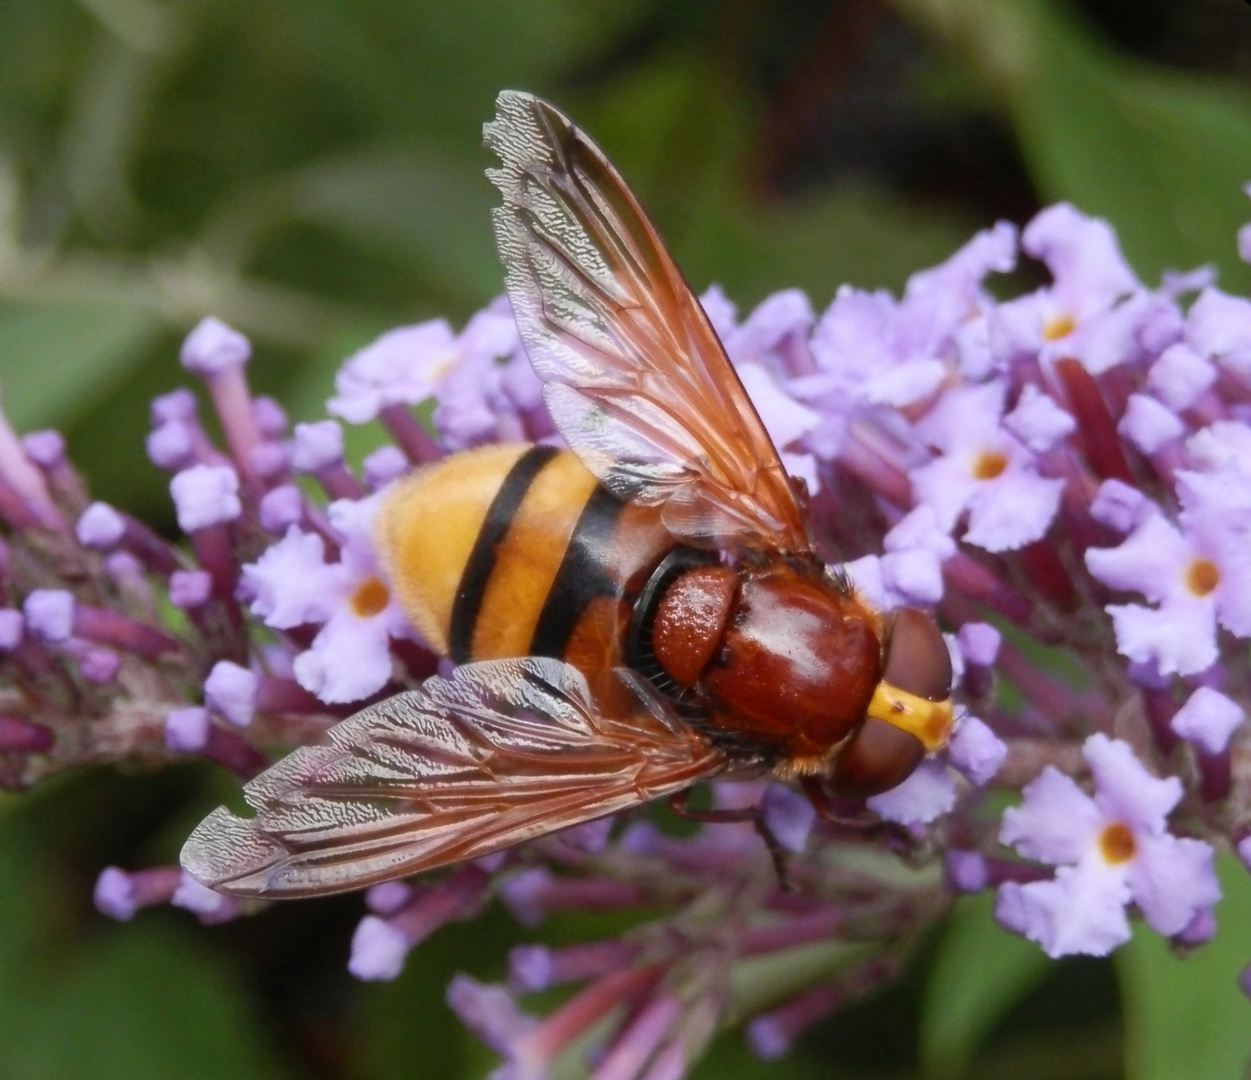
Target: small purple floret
x=1149, y=425
x=100, y=526
x=384, y=465
x=189, y=589
x=489, y=1012
x=1200, y=929
x=927, y=794
x=1120, y=506
x=171, y=446
x=187, y=729
x=1110, y=849
x=231, y=691
x=768, y=1038
x=268, y=459
x=270, y=417
x=50, y=614
x=1180, y=375
x=1243, y=848
x=966, y=870
x=378, y=950
x=114, y=895
x=178, y=404
x=388, y=897
x=401, y=367
x=788, y=815
x=45, y=448
x=281, y=508
x=99, y=666
x=979, y=643
x=192, y=896
x=12, y=629
x=1208, y=719
x=213, y=347
x=976, y=750
x=530, y=968
x=205, y=495
x=316, y=446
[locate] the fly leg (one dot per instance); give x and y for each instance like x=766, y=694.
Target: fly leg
x=680, y=804
x=858, y=823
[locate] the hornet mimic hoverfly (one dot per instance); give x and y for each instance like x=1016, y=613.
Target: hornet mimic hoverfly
x=631, y=616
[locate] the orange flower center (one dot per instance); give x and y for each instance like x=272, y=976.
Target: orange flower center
x=371, y=597
x=1202, y=576
x=1117, y=844
x=989, y=464
x=1057, y=327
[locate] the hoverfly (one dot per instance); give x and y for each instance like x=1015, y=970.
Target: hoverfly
x=631, y=616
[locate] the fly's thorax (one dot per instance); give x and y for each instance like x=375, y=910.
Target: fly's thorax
x=782, y=658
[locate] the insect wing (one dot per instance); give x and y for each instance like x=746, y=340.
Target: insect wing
x=636, y=380
x=504, y=751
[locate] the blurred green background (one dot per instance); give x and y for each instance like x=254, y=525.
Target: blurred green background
x=311, y=171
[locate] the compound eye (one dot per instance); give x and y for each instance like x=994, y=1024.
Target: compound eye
x=917, y=660
x=879, y=757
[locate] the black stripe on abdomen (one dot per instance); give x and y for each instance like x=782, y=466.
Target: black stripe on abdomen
x=481, y=562
x=583, y=574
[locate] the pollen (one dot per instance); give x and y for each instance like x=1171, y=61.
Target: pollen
x=1057, y=327
x=371, y=597
x=1117, y=844
x=989, y=464
x=1202, y=576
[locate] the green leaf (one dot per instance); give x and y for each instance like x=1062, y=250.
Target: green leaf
x=1185, y=1016
x=55, y=358
x=125, y=1002
x=428, y=209
x=404, y=1030
x=729, y=1056
x=139, y=1002
x=1160, y=154
x=680, y=135
x=979, y=973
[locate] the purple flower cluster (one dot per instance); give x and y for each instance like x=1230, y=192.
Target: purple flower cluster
x=1065, y=477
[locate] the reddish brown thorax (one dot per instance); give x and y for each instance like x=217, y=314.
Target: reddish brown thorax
x=778, y=654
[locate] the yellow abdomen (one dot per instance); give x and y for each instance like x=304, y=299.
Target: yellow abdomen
x=517, y=551
x=471, y=544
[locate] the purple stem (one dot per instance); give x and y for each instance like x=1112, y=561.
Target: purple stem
x=339, y=483
x=1215, y=773
x=458, y=897
x=149, y=547
x=1102, y=443
x=409, y=435
x=542, y=1043
x=276, y=694
x=107, y=627
x=229, y=750
x=636, y=1043
x=803, y=929
x=26, y=482
x=233, y=401
x=536, y=967
x=20, y=736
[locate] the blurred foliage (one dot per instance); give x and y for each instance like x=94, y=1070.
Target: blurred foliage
x=312, y=173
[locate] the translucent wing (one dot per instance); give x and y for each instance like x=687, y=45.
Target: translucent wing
x=637, y=382
x=504, y=751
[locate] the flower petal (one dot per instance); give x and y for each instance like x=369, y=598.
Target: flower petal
x=1172, y=879
x=1056, y=821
